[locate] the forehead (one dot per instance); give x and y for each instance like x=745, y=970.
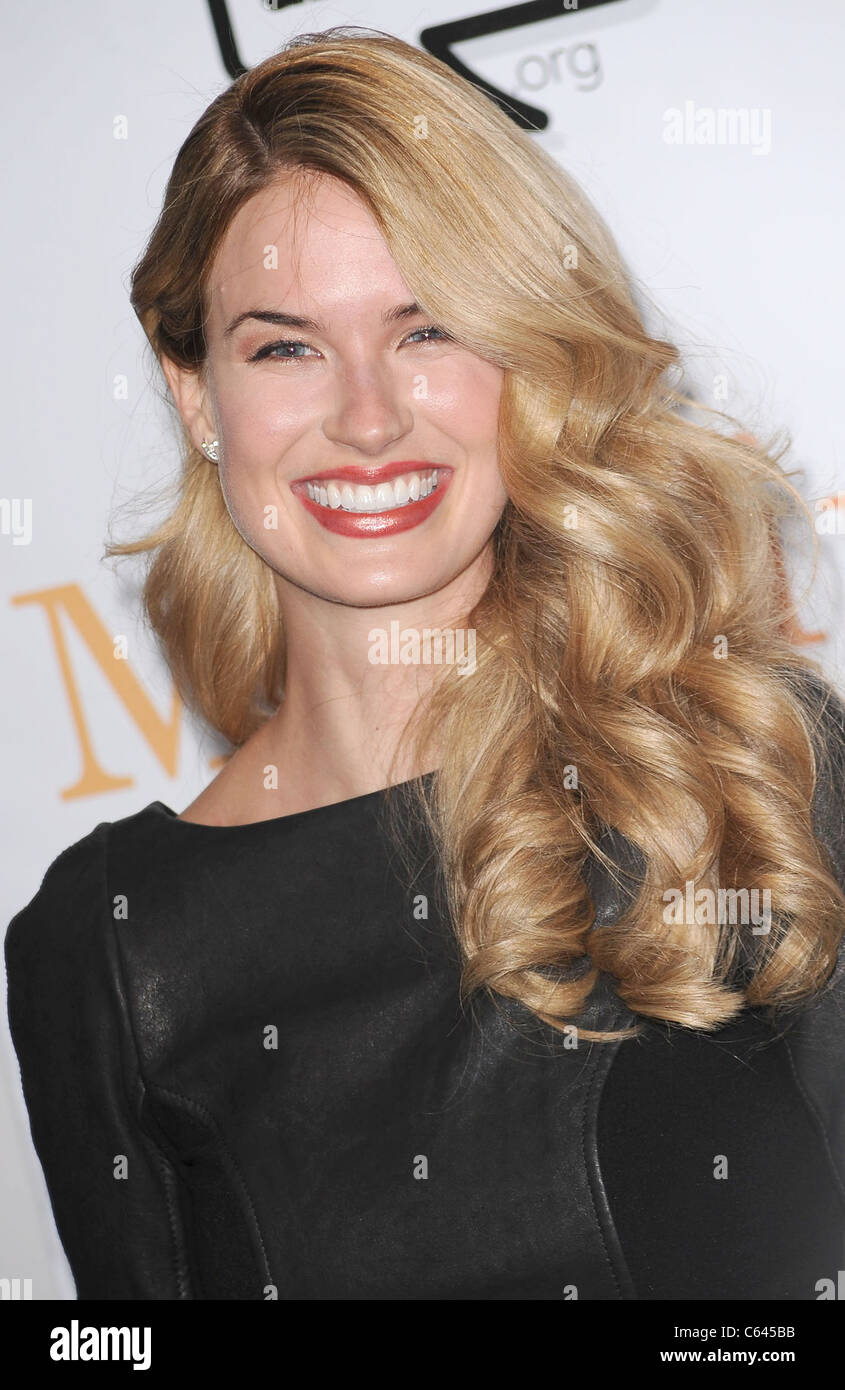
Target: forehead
x=305, y=243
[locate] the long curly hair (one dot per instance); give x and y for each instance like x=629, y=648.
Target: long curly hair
x=634, y=670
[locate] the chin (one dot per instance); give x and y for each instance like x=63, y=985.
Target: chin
x=380, y=591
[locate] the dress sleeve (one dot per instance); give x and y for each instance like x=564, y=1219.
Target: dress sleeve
x=817, y=1042
x=113, y=1192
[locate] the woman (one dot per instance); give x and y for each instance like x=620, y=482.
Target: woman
x=465, y=1038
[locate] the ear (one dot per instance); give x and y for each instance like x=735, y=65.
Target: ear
x=190, y=392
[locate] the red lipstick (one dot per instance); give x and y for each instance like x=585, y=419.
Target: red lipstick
x=373, y=524
x=383, y=473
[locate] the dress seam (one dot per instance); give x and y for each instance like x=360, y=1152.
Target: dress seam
x=195, y=1106
x=601, y=1207
x=178, y=1251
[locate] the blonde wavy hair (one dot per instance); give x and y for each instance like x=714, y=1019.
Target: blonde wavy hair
x=634, y=669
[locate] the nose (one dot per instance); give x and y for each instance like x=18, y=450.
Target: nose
x=370, y=409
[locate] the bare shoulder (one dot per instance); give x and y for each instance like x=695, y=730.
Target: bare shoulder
x=209, y=808
x=231, y=798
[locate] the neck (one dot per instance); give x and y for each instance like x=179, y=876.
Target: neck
x=338, y=731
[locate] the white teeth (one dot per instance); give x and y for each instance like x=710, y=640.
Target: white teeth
x=384, y=497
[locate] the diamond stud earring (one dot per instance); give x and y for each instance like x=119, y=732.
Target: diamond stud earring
x=212, y=450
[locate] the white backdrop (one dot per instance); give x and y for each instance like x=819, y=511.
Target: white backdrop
x=737, y=242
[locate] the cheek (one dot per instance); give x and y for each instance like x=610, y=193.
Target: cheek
x=260, y=419
x=465, y=399
x=242, y=502
x=258, y=430
x=260, y=422
x=253, y=438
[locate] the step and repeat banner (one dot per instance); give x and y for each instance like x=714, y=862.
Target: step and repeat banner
x=708, y=133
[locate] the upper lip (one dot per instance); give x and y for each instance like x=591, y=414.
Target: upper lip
x=382, y=474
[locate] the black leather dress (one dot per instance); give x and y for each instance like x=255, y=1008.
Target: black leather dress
x=249, y=1076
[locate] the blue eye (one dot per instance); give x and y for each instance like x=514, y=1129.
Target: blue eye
x=270, y=350
x=277, y=352
x=431, y=328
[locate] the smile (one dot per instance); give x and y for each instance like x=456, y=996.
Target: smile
x=383, y=497
x=377, y=509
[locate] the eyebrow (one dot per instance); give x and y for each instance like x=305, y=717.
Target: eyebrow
x=281, y=320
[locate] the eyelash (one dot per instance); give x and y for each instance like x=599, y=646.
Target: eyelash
x=266, y=353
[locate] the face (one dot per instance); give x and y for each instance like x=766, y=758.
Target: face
x=358, y=452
